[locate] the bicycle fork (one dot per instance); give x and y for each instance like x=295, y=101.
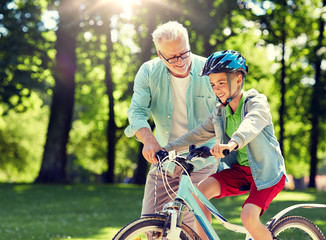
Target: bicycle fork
x=175, y=210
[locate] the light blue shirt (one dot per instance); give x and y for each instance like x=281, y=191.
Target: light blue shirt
x=152, y=97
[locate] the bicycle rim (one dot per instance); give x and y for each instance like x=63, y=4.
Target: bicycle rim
x=151, y=229
x=296, y=227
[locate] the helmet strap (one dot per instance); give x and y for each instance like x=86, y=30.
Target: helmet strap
x=230, y=96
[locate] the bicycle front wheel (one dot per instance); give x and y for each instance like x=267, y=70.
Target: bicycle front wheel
x=296, y=227
x=152, y=228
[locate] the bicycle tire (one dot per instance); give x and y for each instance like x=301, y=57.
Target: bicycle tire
x=296, y=227
x=151, y=228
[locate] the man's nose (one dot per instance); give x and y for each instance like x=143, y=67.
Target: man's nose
x=180, y=60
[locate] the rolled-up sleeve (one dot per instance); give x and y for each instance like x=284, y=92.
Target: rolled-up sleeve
x=139, y=110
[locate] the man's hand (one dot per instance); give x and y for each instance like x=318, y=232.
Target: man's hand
x=149, y=151
x=217, y=149
x=151, y=145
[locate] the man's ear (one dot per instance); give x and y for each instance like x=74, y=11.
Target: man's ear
x=158, y=54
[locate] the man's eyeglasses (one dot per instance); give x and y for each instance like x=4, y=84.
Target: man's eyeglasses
x=175, y=59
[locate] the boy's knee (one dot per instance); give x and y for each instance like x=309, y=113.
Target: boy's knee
x=210, y=187
x=249, y=218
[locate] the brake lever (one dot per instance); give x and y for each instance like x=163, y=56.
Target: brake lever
x=203, y=152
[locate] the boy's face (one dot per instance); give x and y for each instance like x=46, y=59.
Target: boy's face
x=219, y=83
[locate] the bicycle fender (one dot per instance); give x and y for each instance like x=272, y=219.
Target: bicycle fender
x=154, y=215
x=279, y=215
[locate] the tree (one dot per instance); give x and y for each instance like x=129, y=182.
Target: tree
x=206, y=22
x=54, y=161
x=275, y=21
x=291, y=27
x=318, y=93
x=112, y=127
x=23, y=53
x=24, y=81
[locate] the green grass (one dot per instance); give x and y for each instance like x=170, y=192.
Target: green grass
x=57, y=212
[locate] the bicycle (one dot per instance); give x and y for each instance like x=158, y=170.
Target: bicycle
x=168, y=224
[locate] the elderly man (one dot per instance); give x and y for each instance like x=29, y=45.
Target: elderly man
x=169, y=89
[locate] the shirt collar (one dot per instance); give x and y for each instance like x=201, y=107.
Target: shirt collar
x=228, y=111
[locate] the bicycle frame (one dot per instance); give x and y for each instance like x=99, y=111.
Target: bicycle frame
x=186, y=189
x=185, y=199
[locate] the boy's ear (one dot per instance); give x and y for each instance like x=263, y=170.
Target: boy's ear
x=239, y=78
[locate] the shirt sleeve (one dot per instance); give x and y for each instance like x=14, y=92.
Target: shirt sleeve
x=139, y=109
x=257, y=118
x=200, y=135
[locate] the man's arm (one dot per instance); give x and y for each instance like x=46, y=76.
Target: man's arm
x=151, y=146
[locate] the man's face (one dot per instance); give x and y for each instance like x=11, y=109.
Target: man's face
x=167, y=50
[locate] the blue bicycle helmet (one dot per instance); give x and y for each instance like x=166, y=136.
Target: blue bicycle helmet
x=225, y=61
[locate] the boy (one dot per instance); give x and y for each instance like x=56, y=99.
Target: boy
x=241, y=123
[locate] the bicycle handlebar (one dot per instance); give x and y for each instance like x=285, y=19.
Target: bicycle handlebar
x=194, y=151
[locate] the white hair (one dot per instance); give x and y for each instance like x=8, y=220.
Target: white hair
x=169, y=31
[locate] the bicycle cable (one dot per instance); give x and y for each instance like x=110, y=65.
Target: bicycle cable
x=166, y=183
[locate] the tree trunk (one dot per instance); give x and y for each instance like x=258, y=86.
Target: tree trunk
x=317, y=95
x=142, y=166
x=112, y=128
x=283, y=91
x=54, y=161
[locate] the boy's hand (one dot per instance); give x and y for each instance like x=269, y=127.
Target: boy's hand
x=217, y=149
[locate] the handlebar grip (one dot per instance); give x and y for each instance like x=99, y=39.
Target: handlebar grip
x=192, y=147
x=226, y=152
x=160, y=154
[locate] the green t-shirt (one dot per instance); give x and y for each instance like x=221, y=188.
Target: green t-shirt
x=233, y=121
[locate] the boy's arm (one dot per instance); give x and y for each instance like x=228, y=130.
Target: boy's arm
x=257, y=118
x=198, y=136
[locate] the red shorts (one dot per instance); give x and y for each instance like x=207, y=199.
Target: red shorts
x=231, y=180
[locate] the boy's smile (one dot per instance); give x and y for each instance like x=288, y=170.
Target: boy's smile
x=220, y=86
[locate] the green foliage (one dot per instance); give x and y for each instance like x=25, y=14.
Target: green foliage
x=23, y=52
x=87, y=144
x=295, y=23
x=22, y=136
x=252, y=27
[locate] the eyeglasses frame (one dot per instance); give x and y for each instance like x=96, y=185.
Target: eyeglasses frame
x=180, y=56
